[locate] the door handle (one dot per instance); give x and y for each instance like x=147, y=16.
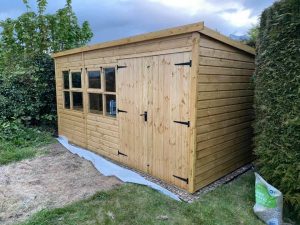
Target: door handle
x=145, y=115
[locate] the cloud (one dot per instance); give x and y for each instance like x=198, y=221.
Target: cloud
x=240, y=18
x=194, y=7
x=233, y=12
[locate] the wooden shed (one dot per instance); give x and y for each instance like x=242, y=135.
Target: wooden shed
x=176, y=104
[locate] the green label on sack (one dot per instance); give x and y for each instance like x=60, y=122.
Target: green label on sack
x=263, y=197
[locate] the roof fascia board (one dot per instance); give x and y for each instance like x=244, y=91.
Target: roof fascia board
x=134, y=39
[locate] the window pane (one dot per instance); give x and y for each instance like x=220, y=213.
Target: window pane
x=110, y=79
x=67, y=99
x=66, y=79
x=94, y=79
x=96, y=103
x=111, y=105
x=76, y=79
x=77, y=101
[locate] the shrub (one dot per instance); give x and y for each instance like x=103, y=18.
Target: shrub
x=19, y=142
x=28, y=91
x=27, y=86
x=277, y=98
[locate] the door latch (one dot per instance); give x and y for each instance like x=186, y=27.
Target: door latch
x=145, y=115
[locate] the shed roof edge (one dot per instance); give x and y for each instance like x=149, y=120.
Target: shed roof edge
x=195, y=27
x=134, y=39
x=222, y=38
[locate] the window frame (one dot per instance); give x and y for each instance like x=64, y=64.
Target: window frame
x=71, y=90
x=92, y=69
x=101, y=90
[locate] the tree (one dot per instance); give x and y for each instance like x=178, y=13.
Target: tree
x=27, y=86
x=253, y=34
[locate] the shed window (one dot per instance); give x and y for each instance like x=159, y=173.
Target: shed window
x=76, y=79
x=94, y=79
x=102, y=91
x=66, y=79
x=77, y=101
x=67, y=99
x=110, y=79
x=96, y=103
x=110, y=105
x=72, y=95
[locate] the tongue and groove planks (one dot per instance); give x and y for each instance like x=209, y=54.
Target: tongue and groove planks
x=157, y=86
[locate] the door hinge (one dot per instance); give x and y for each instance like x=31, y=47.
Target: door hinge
x=121, y=111
x=184, y=64
x=183, y=122
x=186, y=180
x=120, y=153
x=120, y=67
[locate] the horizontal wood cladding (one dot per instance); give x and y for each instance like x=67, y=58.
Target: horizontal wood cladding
x=205, y=78
x=102, y=135
x=223, y=169
x=222, y=41
x=71, y=125
x=179, y=43
x=204, y=112
x=211, y=103
x=225, y=71
x=214, y=87
x=227, y=63
x=203, y=129
x=218, y=159
x=220, y=54
x=221, y=132
x=224, y=110
x=222, y=117
x=143, y=47
x=232, y=140
x=224, y=94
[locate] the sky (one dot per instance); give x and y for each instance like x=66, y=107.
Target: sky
x=115, y=19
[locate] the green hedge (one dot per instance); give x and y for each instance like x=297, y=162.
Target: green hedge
x=277, y=98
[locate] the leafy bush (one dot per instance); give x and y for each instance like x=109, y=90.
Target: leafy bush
x=18, y=142
x=28, y=91
x=27, y=84
x=277, y=99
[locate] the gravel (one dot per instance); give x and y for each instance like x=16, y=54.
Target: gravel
x=183, y=194
x=187, y=197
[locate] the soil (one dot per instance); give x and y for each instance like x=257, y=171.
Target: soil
x=47, y=181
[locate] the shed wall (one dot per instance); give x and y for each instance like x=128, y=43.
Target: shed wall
x=224, y=110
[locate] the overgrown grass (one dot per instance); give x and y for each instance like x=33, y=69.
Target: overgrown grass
x=18, y=142
x=133, y=204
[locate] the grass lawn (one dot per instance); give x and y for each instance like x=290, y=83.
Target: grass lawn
x=133, y=204
x=24, y=146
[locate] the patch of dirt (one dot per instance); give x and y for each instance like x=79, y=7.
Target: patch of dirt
x=48, y=181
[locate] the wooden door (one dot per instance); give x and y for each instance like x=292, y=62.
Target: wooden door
x=171, y=116
x=158, y=86
x=132, y=106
